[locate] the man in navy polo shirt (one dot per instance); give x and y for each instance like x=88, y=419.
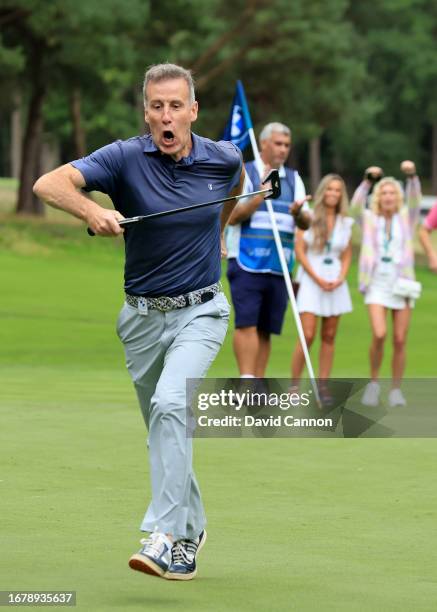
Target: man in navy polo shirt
x=259, y=293
x=175, y=316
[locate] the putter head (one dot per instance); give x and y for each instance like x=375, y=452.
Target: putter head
x=273, y=177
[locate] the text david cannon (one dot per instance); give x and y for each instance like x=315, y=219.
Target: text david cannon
x=269, y=421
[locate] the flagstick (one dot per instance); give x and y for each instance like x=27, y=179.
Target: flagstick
x=284, y=266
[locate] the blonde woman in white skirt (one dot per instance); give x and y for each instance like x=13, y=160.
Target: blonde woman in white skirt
x=387, y=254
x=325, y=253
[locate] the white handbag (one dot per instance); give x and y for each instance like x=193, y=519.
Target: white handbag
x=407, y=288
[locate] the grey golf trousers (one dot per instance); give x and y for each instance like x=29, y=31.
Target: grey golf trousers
x=162, y=350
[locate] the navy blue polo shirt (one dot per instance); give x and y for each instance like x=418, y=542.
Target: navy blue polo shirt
x=179, y=253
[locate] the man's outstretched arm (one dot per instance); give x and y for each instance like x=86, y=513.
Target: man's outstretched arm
x=60, y=189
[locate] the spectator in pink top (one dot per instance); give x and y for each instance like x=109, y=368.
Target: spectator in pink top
x=429, y=224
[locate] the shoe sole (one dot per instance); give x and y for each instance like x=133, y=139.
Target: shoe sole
x=169, y=576
x=145, y=565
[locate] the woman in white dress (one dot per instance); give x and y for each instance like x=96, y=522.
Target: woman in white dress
x=386, y=256
x=324, y=252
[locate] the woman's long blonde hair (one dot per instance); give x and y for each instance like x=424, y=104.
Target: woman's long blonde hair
x=319, y=225
x=376, y=195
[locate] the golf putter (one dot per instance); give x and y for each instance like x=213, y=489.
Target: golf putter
x=271, y=194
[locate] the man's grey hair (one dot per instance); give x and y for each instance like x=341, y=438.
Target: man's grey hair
x=164, y=72
x=268, y=129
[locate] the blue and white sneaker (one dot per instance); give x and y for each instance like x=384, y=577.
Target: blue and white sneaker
x=155, y=555
x=183, y=558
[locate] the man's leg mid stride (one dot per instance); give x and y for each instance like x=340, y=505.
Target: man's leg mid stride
x=185, y=342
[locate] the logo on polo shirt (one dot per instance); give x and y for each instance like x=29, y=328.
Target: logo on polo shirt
x=210, y=186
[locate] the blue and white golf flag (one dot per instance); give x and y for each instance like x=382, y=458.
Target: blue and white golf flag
x=239, y=122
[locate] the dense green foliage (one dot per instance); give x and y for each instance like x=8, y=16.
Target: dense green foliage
x=362, y=78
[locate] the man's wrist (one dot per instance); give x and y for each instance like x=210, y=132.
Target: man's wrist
x=89, y=211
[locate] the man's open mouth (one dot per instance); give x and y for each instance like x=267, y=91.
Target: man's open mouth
x=168, y=137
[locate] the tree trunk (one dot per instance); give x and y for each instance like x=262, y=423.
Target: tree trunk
x=434, y=159
x=27, y=202
x=315, y=163
x=16, y=136
x=76, y=118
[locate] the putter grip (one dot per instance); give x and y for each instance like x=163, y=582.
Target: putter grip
x=90, y=232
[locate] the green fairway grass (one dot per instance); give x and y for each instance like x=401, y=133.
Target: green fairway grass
x=293, y=524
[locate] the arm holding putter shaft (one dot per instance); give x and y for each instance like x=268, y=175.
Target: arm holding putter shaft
x=61, y=189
